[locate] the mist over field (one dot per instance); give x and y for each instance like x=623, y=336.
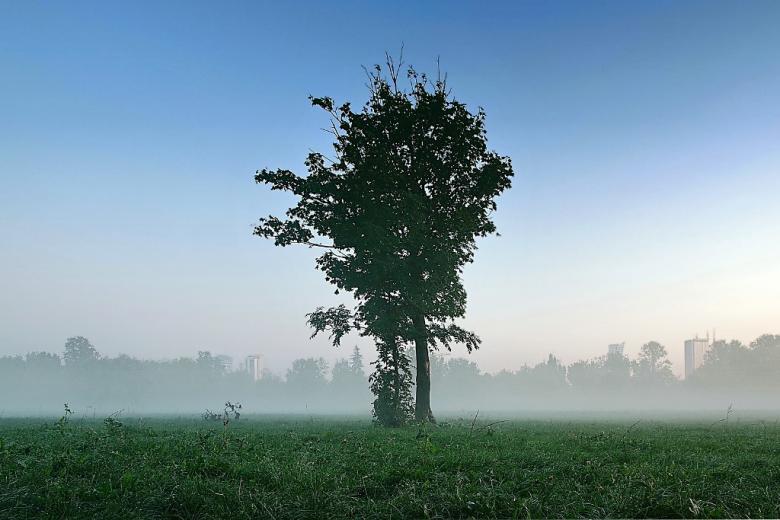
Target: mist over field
x=733, y=378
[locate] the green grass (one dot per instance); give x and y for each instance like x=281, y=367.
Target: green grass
x=286, y=468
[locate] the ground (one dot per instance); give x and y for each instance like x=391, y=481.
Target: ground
x=320, y=468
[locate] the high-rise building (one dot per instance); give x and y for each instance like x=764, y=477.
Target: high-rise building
x=254, y=366
x=616, y=349
x=695, y=350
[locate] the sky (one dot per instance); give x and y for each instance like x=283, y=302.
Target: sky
x=645, y=138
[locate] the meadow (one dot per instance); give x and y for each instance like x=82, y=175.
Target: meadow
x=308, y=467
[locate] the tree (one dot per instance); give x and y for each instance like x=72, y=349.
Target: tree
x=212, y=365
x=397, y=210
x=550, y=373
x=765, y=360
x=341, y=374
x=348, y=382
x=461, y=371
x=653, y=366
x=356, y=363
x=348, y=373
x=612, y=371
x=43, y=360
x=78, y=351
x=391, y=385
x=586, y=374
x=725, y=364
x=766, y=344
x=307, y=374
x=617, y=370
x=461, y=381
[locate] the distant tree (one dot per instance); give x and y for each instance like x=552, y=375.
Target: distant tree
x=653, y=366
x=509, y=388
x=612, y=371
x=724, y=371
x=586, y=374
x=461, y=381
x=270, y=378
x=79, y=351
x=617, y=370
x=766, y=343
x=207, y=362
x=43, y=360
x=307, y=373
x=411, y=186
x=462, y=370
x=349, y=372
x=341, y=372
x=726, y=363
x=764, y=363
x=438, y=367
x=356, y=363
x=732, y=364
x=348, y=382
x=726, y=353
x=550, y=374
x=766, y=350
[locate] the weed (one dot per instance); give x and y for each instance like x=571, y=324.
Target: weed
x=112, y=423
x=62, y=422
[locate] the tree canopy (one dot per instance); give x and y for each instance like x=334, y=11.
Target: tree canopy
x=397, y=210
x=78, y=351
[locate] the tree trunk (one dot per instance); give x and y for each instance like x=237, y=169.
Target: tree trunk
x=422, y=404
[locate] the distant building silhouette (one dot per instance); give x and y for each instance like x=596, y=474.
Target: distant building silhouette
x=225, y=362
x=695, y=350
x=616, y=349
x=254, y=366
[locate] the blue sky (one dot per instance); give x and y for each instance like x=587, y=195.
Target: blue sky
x=645, y=137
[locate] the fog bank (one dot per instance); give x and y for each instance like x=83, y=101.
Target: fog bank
x=732, y=375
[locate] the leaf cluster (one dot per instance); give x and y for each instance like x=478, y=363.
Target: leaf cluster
x=397, y=210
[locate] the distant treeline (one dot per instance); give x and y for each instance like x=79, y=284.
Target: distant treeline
x=746, y=376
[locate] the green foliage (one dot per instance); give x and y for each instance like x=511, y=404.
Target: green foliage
x=732, y=364
x=348, y=469
x=411, y=186
x=348, y=374
x=612, y=371
x=308, y=372
x=62, y=422
x=42, y=360
x=653, y=365
x=209, y=364
x=356, y=362
x=112, y=423
x=391, y=384
x=79, y=352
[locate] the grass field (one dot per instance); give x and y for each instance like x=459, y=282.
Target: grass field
x=317, y=468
